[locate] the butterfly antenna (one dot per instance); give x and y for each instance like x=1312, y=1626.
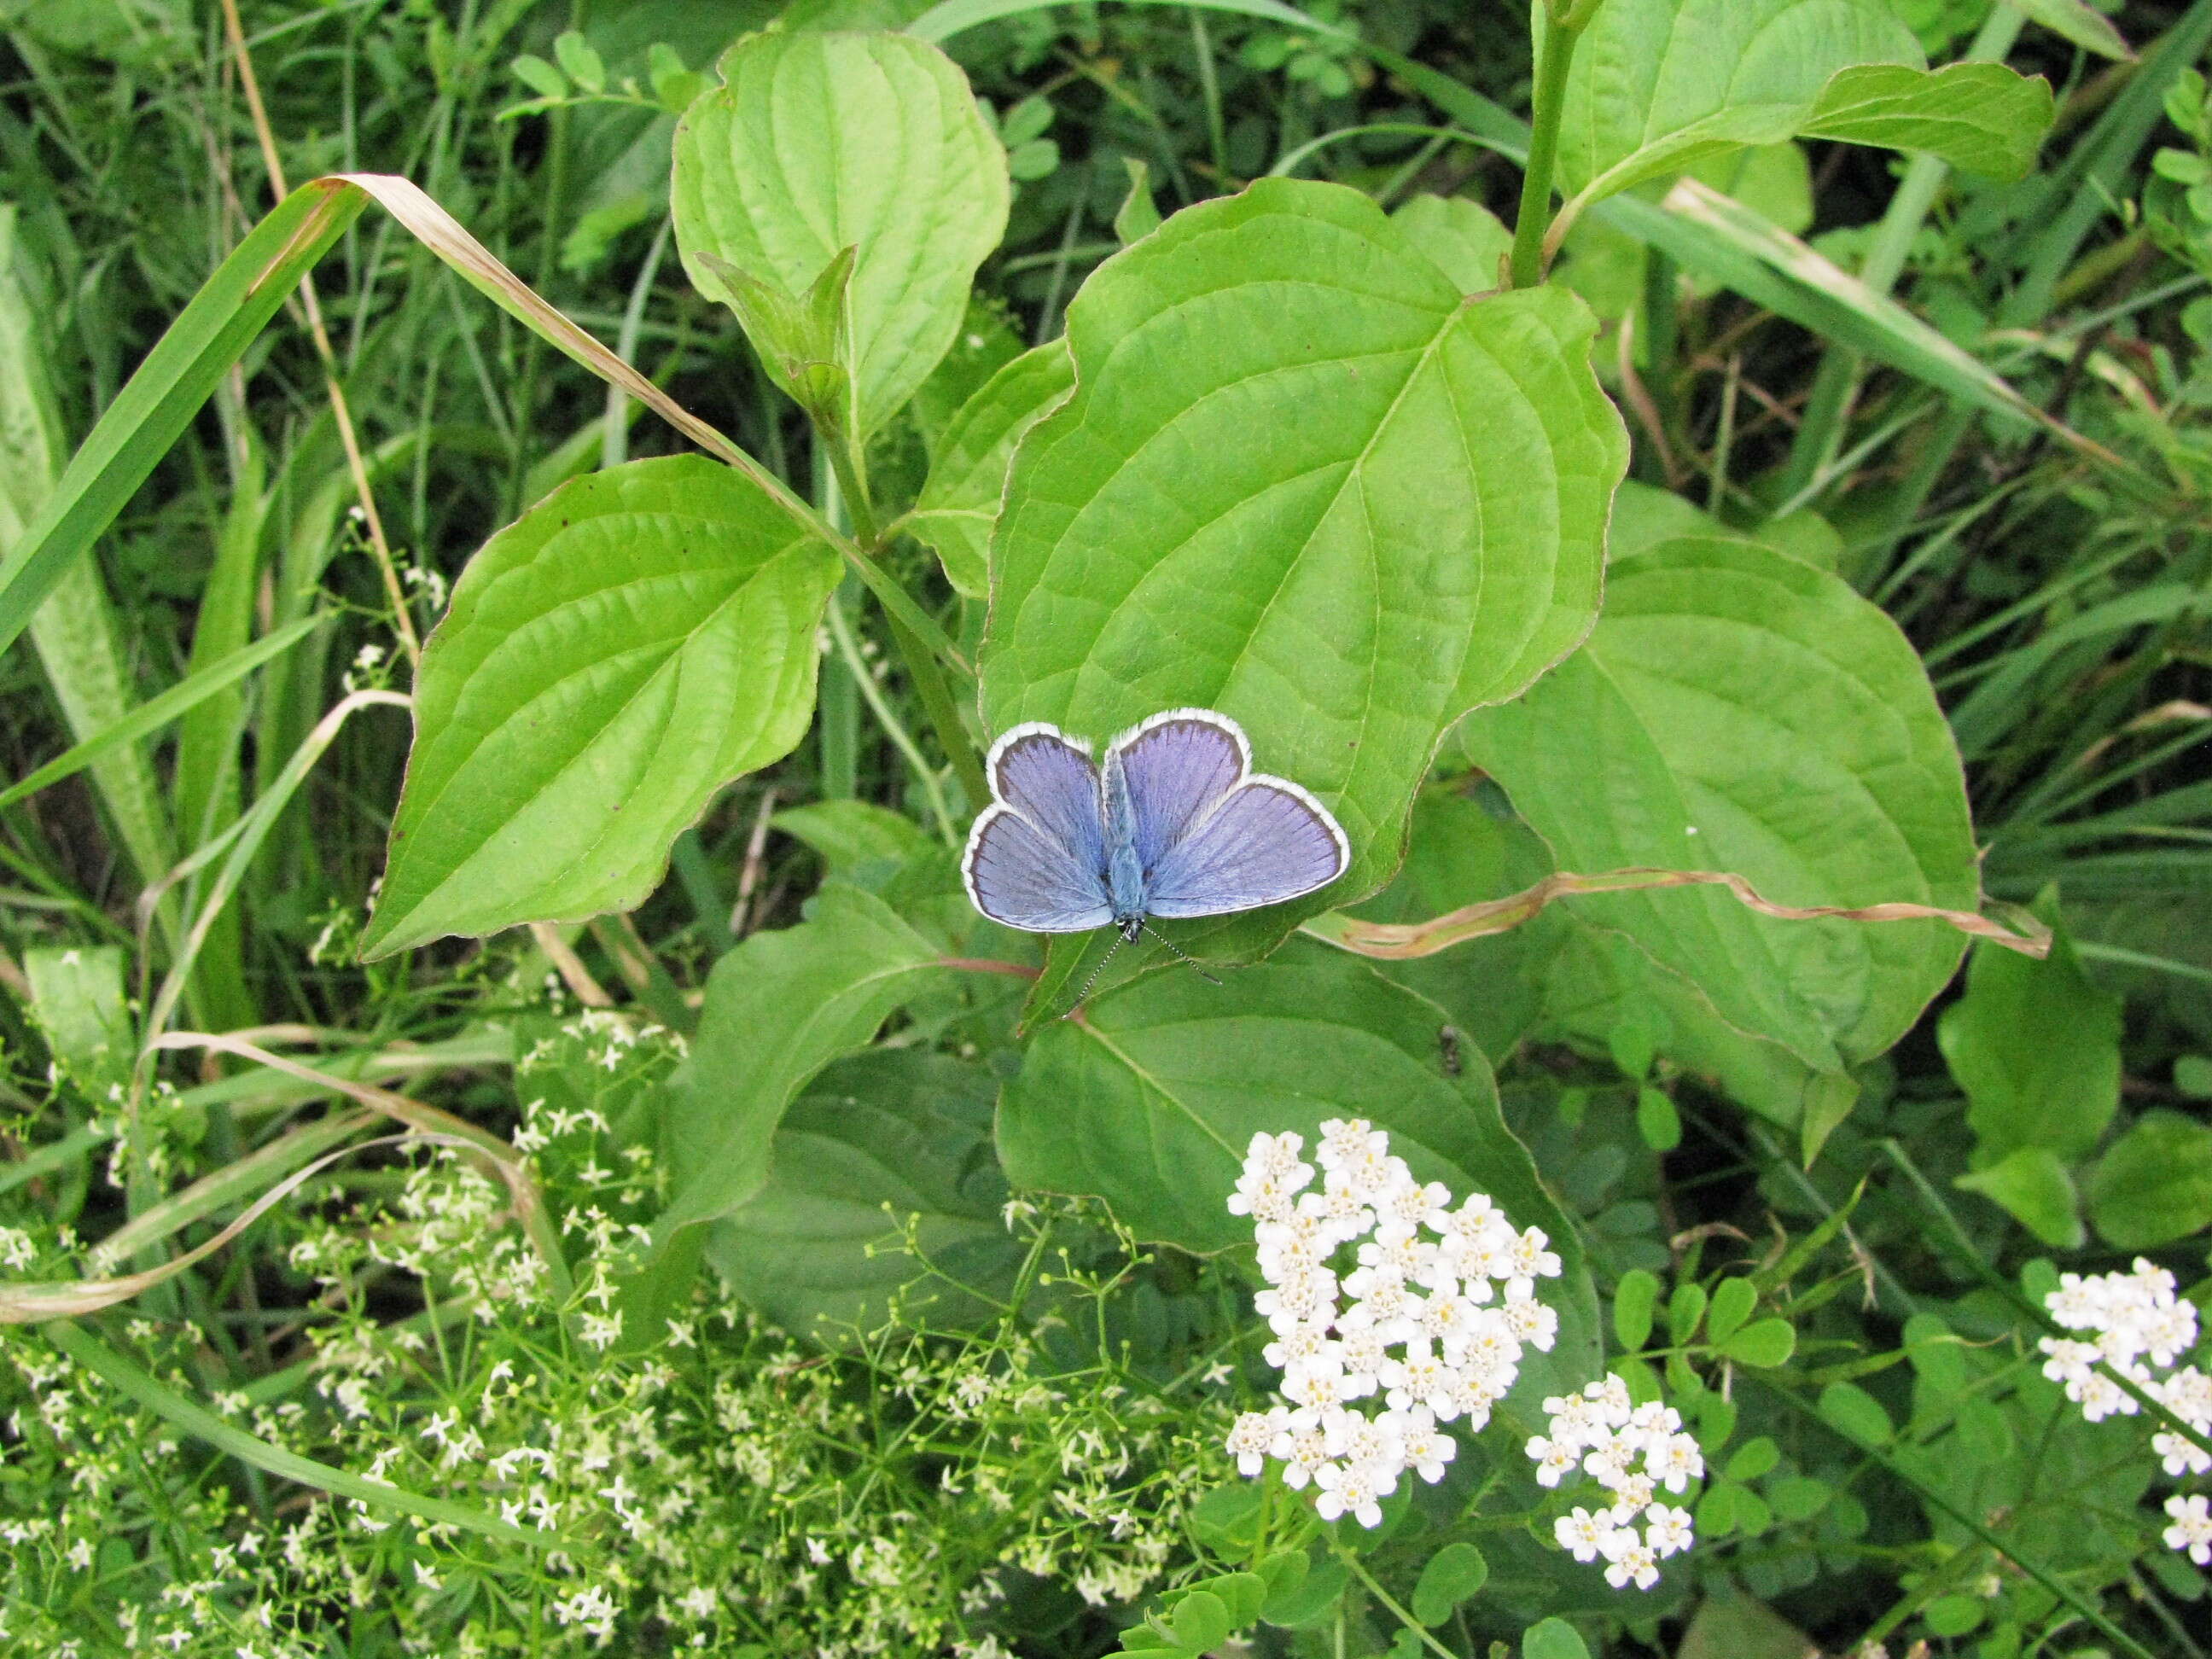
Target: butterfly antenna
x=1084, y=995
x=1181, y=955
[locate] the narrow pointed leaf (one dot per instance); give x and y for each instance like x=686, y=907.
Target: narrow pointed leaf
x=959, y=503
x=779, y=1008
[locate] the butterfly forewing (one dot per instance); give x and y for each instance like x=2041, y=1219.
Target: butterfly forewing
x=1054, y=784
x=1268, y=841
x=1171, y=771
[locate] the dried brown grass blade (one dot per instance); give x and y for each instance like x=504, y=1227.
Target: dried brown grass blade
x=1397, y=941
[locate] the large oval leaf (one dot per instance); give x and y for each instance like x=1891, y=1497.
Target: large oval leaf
x=1303, y=480
x=816, y=143
x=609, y=659
x=1737, y=710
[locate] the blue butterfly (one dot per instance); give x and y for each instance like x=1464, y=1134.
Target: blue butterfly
x=1173, y=823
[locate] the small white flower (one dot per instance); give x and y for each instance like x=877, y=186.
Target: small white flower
x=1555, y=1459
x=1248, y=1440
x=1630, y=1559
x=1583, y=1534
x=1348, y=1489
x=1427, y=1448
x=1668, y=1530
x=1676, y=1463
x=2191, y=1531
x=1301, y=1446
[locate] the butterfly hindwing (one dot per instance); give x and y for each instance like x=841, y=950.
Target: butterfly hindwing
x=1019, y=876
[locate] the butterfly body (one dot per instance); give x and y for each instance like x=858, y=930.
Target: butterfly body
x=1173, y=823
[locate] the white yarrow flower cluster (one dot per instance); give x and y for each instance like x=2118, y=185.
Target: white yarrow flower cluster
x=1634, y=1452
x=1429, y=1322
x=2139, y=1325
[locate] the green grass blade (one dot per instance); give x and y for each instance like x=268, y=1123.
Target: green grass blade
x=168, y=389
x=74, y=631
x=203, y=1425
x=157, y=712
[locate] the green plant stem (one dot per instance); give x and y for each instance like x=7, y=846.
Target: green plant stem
x=1927, y=1495
x=1560, y=34
x=856, y=670
x=936, y=694
x=1352, y=1561
x=922, y=667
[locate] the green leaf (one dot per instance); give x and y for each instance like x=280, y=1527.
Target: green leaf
x=1980, y=117
x=1137, y=217
x=540, y=76
x=959, y=503
x=804, y=339
x=1800, y=1497
x=1954, y=1614
x=1643, y=102
x=1385, y=503
x=1458, y=852
x=850, y=835
x=75, y=630
x=1732, y=1301
x=167, y=390
x=891, y=1141
x=1201, y=1621
x=609, y=660
x=1765, y=1343
x=1306, y=1603
x=1737, y=710
x=86, y=1349
x=1685, y=1309
x=77, y=998
x=2036, y=1045
x=1633, y=1301
x=2076, y=21
x=580, y=60
x=778, y=1009
x=1455, y=1573
x=1150, y=1099
x=1552, y=1638
x=1856, y=1414
x=1466, y=240
x=816, y=143
x=1657, y=1120
x=1658, y=85
x=1754, y=1458
x=2032, y=1185
x=2154, y=1184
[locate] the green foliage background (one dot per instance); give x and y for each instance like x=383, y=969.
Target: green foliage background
x=689, y=1225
